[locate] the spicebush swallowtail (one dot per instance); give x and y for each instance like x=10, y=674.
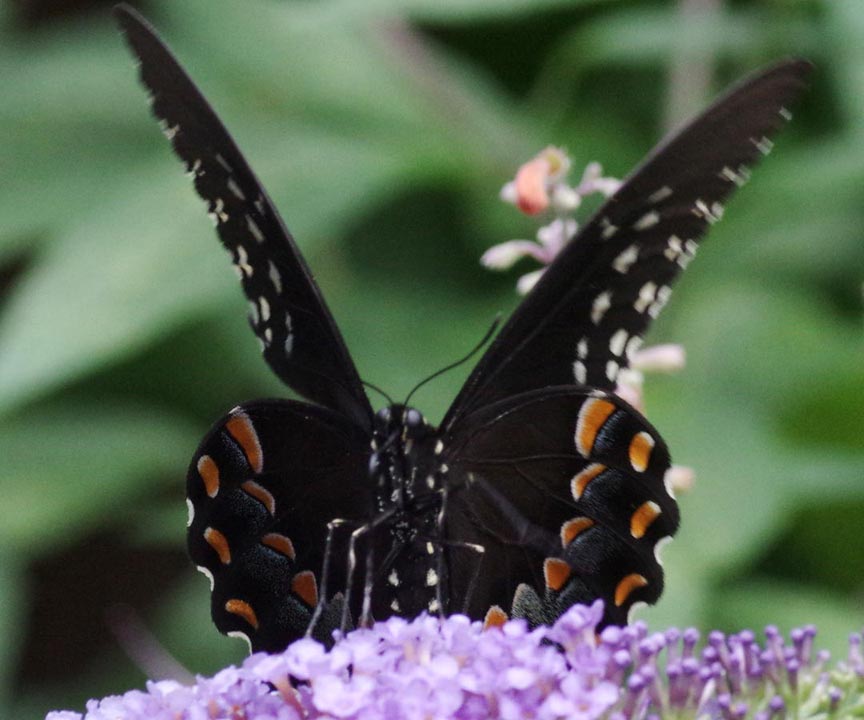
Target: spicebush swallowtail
x=539, y=489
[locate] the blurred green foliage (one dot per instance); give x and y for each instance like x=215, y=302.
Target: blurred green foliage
x=383, y=130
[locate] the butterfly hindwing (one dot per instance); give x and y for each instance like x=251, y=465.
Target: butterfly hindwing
x=299, y=339
x=564, y=488
x=587, y=314
x=261, y=489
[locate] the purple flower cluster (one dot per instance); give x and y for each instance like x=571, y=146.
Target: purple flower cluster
x=432, y=669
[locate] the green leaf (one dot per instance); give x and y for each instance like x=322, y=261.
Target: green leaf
x=67, y=469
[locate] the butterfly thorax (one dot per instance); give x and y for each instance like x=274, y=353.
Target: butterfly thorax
x=406, y=476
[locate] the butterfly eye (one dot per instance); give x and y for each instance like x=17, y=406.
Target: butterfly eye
x=383, y=415
x=413, y=418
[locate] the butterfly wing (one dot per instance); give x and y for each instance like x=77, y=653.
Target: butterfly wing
x=564, y=489
x=299, y=337
x=261, y=489
x=590, y=309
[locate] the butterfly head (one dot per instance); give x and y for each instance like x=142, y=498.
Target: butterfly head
x=399, y=425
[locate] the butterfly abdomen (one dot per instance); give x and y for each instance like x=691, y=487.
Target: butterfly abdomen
x=408, y=475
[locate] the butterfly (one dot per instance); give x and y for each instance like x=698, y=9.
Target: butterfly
x=539, y=489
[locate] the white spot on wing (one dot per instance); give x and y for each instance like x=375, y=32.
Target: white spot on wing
x=710, y=214
x=660, y=194
x=206, y=573
x=393, y=578
x=646, y=297
x=763, y=144
x=633, y=345
x=600, y=305
x=265, y=308
x=191, y=512
x=739, y=177
x=688, y=253
x=674, y=249
x=649, y=219
x=275, y=277
x=612, y=368
x=235, y=189
x=434, y=605
x=658, y=548
x=242, y=261
x=785, y=114
x=170, y=131
x=254, y=229
x=242, y=636
x=623, y=262
x=582, y=348
x=224, y=163
x=580, y=372
x=608, y=228
x=617, y=341
x=663, y=295
x=431, y=578
x=219, y=210
x=634, y=609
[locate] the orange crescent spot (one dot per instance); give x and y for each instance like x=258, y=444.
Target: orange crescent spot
x=241, y=429
x=209, y=472
x=581, y=480
x=244, y=610
x=573, y=528
x=556, y=572
x=305, y=587
x=626, y=586
x=495, y=617
x=593, y=415
x=640, y=450
x=261, y=494
x=641, y=520
x=219, y=543
x=279, y=543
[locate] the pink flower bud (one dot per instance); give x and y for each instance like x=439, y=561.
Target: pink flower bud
x=531, y=195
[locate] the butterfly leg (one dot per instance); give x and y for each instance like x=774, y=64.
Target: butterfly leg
x=479, y=551
x=378, y=520
x=325, y=572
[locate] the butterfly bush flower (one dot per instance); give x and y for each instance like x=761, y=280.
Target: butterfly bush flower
x=431, y=669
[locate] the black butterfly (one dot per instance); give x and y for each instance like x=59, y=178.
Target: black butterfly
x=540, y=489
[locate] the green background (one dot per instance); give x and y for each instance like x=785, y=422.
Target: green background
x=384, y=130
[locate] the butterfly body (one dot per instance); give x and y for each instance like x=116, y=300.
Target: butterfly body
x=540, y=488
x=409, y=481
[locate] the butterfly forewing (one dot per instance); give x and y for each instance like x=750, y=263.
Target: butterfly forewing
x=565, y=490
x=299, y=338
x=261, y=490
x=589, y=311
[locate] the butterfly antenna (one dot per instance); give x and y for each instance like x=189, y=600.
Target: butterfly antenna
x=488, y=336
x=379, y=391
